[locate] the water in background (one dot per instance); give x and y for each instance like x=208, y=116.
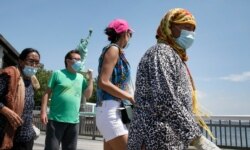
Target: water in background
x=230, y=133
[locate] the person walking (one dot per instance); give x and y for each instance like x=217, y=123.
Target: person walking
x=163, y=117
x=114, y=86
x=66, y=88
x=17, y=102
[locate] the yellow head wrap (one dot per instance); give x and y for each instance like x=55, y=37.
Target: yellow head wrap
x=164, y=35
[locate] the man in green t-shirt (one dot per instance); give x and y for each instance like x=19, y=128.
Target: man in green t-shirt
x=65, y=87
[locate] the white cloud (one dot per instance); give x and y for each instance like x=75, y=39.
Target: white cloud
x=245, y=76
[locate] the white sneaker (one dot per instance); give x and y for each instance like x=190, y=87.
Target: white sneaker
x=203, y=143
x=37, y=131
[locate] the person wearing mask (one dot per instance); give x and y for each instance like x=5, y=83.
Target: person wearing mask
x=66, y=88
x=165, y=114
x=17, y=102
x=114, y=86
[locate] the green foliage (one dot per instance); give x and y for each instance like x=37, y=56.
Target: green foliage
x=92, y=99
x=43, y=78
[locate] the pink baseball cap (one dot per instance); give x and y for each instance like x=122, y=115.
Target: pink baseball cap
x=119, y=25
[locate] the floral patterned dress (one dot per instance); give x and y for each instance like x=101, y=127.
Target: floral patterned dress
x=163, y=118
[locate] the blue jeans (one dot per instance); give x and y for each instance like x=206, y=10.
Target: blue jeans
x=62, y=133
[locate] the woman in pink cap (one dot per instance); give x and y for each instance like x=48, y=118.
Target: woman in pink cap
x=114, y=86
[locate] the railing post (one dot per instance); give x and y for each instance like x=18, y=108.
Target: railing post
x=230, y=133
x=94, y=128
x=235, y=136
x=246, y=136
x=220, y=132
x=240, y=133
x=225, y=134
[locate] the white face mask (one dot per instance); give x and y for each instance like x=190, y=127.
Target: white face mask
x=77, y=66
x=29, y=71
x=186, y=39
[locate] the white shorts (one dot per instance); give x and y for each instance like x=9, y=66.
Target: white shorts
x=108, y=120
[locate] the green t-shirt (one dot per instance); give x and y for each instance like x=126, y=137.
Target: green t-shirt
x=67, y=89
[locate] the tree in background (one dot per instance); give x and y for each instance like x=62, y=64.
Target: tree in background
x=43, y=76
x=92, y=99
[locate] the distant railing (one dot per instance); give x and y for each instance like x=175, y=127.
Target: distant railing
x=87, y=124
x=232, y=132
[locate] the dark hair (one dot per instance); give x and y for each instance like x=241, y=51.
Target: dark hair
x=26, y=52
x=112, y=35
x=68, y=55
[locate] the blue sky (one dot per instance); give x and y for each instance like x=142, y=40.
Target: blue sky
x=219, y=58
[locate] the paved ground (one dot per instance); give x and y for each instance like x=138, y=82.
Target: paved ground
x=84, y=143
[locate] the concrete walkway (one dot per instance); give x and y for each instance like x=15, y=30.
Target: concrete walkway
x=84, y=143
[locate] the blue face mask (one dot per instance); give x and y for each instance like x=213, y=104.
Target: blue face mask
x=29, y=71
x=77, y=66
x=186, y=39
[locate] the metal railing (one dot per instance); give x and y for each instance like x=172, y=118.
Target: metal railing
x=87, y=124
x=232, y=132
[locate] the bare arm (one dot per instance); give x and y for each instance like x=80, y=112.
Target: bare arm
x=45, y=99
x=109, y=62
x=89, y=90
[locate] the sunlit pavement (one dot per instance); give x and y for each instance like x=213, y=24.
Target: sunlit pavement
x=84, y=143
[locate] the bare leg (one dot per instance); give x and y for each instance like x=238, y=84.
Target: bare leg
x=119, y=143
x=106, y=146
